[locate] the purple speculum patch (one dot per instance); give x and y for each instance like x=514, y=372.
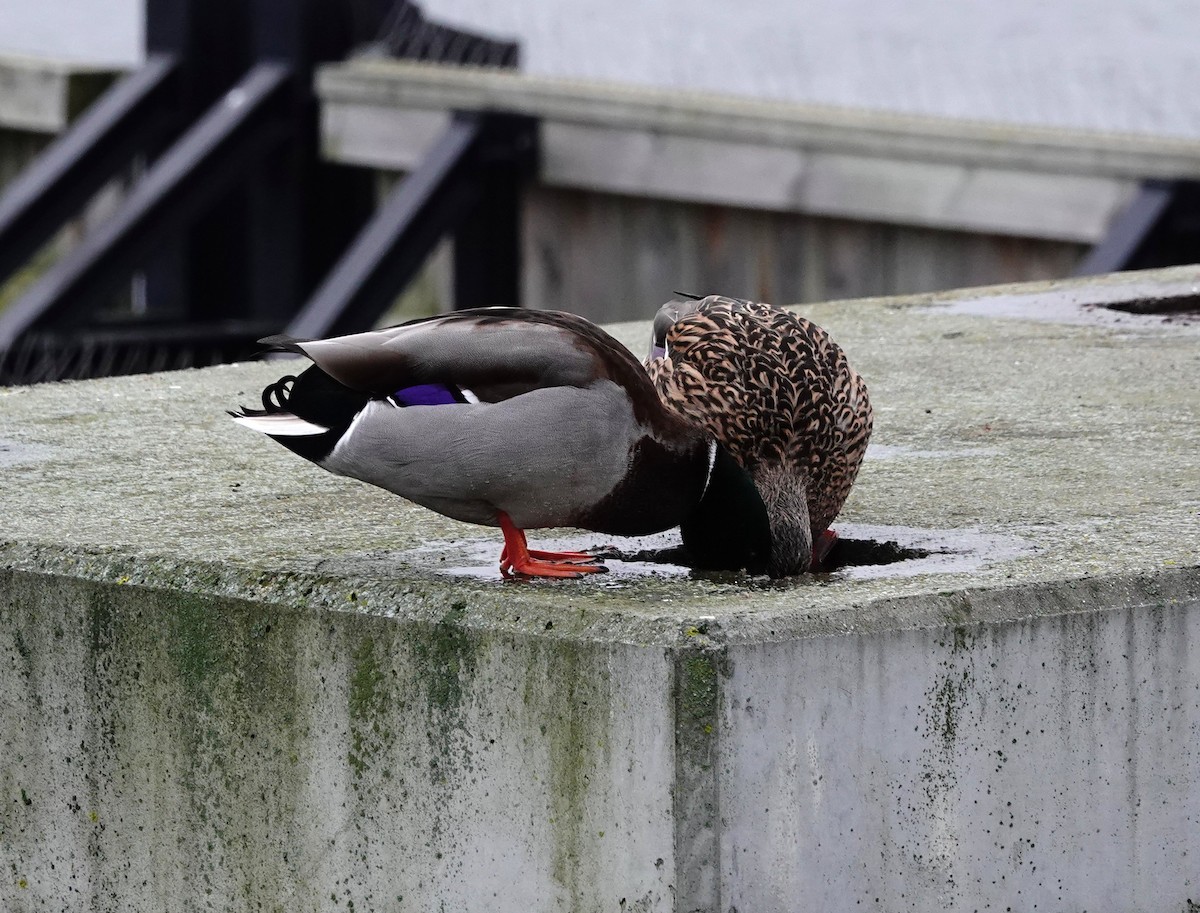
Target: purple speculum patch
x=425, y=395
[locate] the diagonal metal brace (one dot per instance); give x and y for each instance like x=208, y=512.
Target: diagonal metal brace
x=431, y=201
x=1130, y=230
x=124, y=120
x=235, y=133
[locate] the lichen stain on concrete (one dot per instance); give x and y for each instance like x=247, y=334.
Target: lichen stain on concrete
x=205, y=700
x=945, y=709
x=369, y=699
x=446, y=658
x=565, y=738
x=22, y=649
x=24, y=655
x=698, y=695
x=572, y=689
x=411, y=719
x=700, y=663
x=197, y=644
x=947, y=698
x=100, y=625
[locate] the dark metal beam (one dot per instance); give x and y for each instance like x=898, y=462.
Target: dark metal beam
x=1130, y=230
x=468, y=183
x=242, y=127
x=399, y=237
x=487, y=243
x=123, y=121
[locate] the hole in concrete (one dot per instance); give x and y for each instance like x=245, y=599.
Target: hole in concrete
x=858, y=552
x=1177, y=304
x=1173, y=309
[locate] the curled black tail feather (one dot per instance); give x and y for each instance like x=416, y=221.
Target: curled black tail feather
x=275, y=396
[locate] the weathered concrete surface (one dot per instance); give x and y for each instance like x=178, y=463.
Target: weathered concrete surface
x=231, y=681
x=40, y=95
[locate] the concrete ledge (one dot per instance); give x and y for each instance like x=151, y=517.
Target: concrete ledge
x=43, y=96
x=234, y=682
x=993, y=178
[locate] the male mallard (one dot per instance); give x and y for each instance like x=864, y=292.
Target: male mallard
x=777, y=393
x=511, y=418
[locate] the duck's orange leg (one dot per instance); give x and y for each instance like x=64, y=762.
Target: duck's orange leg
x=516, y=559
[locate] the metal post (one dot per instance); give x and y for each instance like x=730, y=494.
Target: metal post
x=487, y=245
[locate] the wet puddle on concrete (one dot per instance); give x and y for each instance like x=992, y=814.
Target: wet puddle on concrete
x=925, y=551
x=862, y=552
x=17, y=453
x=1117, y=306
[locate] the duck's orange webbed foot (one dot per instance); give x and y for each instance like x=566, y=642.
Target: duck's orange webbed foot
x=517, y=560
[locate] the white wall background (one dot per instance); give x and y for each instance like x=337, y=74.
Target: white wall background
x=95, y=31
x=1113, y=65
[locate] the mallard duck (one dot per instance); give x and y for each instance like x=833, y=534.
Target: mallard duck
x=777, y=393
x=510, y=418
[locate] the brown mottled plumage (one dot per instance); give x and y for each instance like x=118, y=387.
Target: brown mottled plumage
x=779, y=395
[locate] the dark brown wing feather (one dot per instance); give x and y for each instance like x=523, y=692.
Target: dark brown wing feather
x=508, y=350
x=772, y=388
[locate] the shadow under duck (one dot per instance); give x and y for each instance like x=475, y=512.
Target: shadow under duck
x=777, y=393
x=518, y=419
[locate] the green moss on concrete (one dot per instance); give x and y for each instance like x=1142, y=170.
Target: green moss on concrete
x=446, y=660
x=197, y=645
x=701, y=662
x=566, y=712
x=370, y=696
x=572, y=734
x=698, y=693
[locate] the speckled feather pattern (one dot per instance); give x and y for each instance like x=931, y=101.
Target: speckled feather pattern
x=774, y=389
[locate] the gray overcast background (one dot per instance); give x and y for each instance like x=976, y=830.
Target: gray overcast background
x=1114, y=65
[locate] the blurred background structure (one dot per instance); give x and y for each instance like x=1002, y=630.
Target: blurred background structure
x=226, y=170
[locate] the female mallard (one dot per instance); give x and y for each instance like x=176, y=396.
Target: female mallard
x=506, y=417
x=778, y=394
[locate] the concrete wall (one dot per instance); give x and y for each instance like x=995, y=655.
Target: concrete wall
x=1050, y=763
x=169, y=751
x=642, y=190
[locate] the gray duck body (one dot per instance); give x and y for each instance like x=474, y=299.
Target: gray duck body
x=539, y=416
x=546, y=458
